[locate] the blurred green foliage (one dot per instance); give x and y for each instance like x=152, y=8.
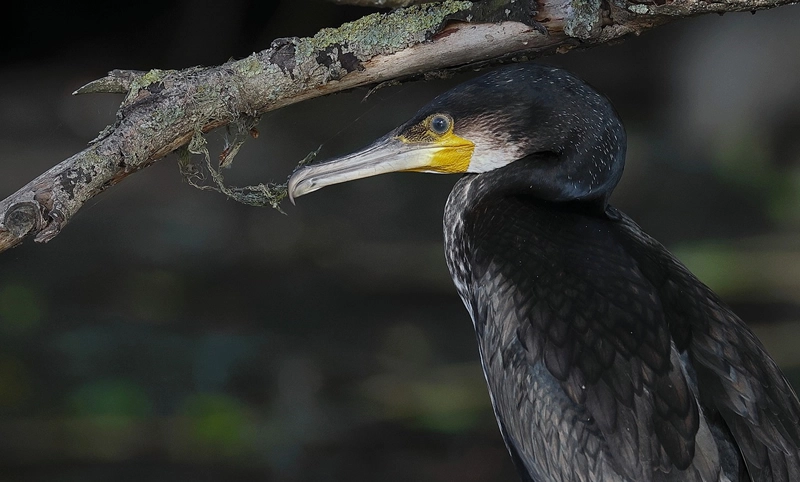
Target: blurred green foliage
x=217, y=424
x=118, y=398
x=22, y=308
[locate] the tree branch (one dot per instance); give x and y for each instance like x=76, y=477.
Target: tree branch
x=381, y=3
x=164, y=110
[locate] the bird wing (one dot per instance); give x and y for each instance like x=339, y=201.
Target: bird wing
x=579, y=354
x=577, y=332
x=735, y=374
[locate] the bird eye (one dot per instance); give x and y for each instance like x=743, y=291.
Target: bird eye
x=440, y=124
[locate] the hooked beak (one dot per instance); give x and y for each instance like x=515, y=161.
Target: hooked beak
x=387, y=154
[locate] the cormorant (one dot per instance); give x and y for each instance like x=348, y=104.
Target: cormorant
x=606, y=359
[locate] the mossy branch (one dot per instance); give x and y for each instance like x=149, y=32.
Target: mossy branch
x=164, y=110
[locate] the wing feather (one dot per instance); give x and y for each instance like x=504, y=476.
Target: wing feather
x=580, y=330
x=736, y=375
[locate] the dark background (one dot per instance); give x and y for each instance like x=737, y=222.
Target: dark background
x=171, y=334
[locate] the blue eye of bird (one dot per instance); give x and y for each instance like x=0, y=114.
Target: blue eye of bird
x=440, y=124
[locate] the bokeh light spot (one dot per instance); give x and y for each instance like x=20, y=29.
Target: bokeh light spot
x=217, y=421
x=121, y=398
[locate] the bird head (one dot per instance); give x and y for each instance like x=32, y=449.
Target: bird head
x=539, y=128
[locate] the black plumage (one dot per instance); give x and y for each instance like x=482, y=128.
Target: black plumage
x=606, y=359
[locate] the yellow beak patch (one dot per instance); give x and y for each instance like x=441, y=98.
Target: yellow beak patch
x=449, y=153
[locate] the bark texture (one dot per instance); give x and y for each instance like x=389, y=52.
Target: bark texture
x=166, y=109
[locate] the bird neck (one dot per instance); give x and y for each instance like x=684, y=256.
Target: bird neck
x=556, y=179
x=578, y=157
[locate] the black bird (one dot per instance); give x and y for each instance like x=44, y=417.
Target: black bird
x=606, y=359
